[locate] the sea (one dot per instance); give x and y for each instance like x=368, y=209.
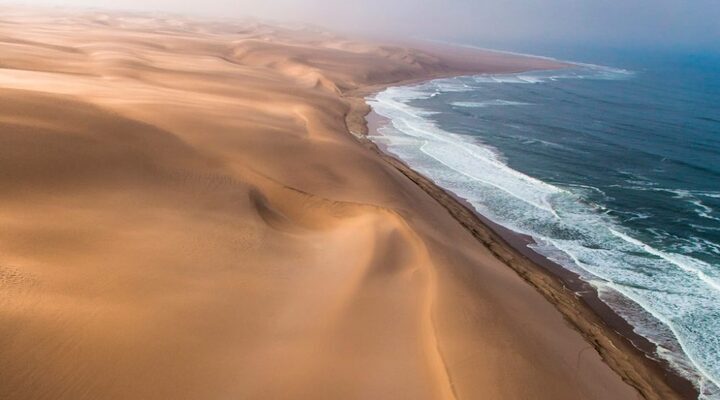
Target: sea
x=612, y=165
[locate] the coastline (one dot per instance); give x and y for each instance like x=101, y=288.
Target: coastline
x=629, y=354
x=185, y=216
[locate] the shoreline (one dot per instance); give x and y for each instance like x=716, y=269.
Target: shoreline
x=186, y=217
x=626, y=352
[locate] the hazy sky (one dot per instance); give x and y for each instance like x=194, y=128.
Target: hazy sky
x=615, y=22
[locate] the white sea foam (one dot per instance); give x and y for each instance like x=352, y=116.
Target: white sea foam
x=594, y=72
x=685, y=263
x=701, y=209
x=567, y=230
x=489, y=103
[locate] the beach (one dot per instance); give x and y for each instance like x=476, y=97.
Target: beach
x=631, y=355
x=190, y=210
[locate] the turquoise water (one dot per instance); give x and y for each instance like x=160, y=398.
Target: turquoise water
x=615, y=171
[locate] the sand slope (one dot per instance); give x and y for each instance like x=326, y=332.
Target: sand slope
x=183, y=215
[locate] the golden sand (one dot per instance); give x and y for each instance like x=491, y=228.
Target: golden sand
x=183, y=215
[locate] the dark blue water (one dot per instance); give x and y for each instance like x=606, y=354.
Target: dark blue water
x=614, y=170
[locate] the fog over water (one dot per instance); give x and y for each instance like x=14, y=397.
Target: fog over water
x=647, y=23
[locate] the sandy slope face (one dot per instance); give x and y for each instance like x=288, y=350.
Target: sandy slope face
x=183, y=215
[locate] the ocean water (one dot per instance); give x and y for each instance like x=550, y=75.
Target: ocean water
x=613, y=169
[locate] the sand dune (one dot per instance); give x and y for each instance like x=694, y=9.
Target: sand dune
x=185, y=216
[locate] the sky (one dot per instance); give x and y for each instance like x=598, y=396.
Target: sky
x=658, y=23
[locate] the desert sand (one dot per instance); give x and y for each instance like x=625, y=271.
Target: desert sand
x=186, y=213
